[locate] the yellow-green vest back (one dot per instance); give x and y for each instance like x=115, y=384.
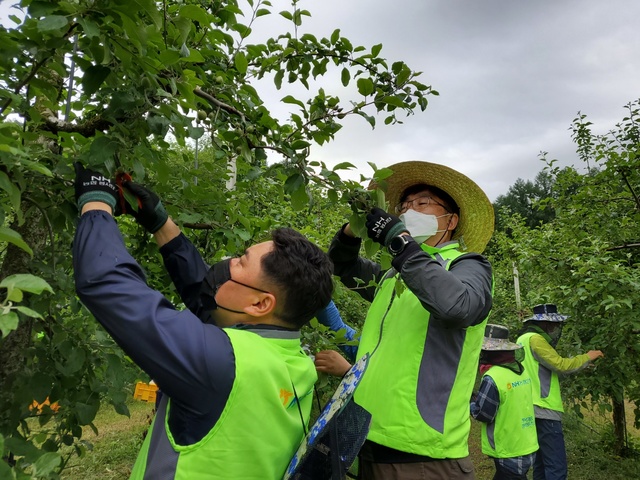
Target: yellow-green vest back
x=513, y=431
x=546, y=386
x=260, y=427
x=420, y=375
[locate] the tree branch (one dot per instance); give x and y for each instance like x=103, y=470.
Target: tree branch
x=211, y=99
x=201, y=226
x=34, y=69
x=86, y=129
x=626, y=245
x=626, y=180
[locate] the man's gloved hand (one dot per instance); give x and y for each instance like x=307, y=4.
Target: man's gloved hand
x=151, y=213
x=382, y=226
x=91, y=186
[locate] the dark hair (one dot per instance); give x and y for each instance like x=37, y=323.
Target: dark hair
x=302, y=274
x=450, y=204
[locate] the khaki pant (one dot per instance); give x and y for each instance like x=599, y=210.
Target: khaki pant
x=449, y=469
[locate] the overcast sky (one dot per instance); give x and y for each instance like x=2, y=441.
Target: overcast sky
x=512, y=75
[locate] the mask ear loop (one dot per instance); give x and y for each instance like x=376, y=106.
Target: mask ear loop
x=446, y=229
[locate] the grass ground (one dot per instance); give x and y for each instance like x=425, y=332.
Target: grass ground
x=119, y=438
x=115, y=447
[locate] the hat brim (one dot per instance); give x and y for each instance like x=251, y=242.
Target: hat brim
x=547, y=317
x=477, y=218
x=497, y=345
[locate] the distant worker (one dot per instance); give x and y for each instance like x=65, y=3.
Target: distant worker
x=540, y=336
x=504, y=404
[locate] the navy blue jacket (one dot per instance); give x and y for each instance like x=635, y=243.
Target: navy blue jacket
x=192, y=362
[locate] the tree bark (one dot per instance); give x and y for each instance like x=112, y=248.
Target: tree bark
x=619, y=425
x=14, y=345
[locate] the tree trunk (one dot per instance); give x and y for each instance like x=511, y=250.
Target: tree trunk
x=619, y=425
x=14, y=345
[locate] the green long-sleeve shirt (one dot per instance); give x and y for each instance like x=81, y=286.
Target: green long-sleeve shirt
x=548, y=357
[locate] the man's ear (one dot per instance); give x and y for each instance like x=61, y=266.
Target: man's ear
x=264, y=304
x=453, y=222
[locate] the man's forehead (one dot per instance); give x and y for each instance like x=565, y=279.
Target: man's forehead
x=259, y=249
x=422, y=192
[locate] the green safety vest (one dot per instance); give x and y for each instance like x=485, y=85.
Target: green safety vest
x=513, y=432
x=546, y=386
x=260, y=427
x=420, y=376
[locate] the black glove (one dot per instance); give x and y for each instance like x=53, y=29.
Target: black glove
x=382, y=226
x=92, y=186
x=151, y=213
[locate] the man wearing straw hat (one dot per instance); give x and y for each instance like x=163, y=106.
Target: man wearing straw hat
x=424, y=336
x=504, y=405
x=540, y=335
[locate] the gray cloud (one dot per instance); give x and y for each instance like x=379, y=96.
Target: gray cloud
x=512, y=75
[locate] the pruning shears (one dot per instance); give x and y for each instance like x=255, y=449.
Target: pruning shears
x=123, y=193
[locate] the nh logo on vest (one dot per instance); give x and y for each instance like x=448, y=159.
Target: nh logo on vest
x=518, y=383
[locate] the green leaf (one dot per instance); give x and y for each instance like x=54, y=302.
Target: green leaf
x=395, y=101
x=286, y=15
x=37, y=167
x=335, y=36
x=194, y=56
x=47, y=463
x=345, y=76
x=14, y=192
x=344, y=166
x=300, y=198
x=28, y=312
x=241, y=63
x=73, y=362
x=292, y=100
x=169, y=57
x=294, y=183
x=300, y=144
x=11, y=236
x=375, y=50
x=89, y=27
x=365, y=86
x=403, y=76
x=8, y=322
x=262, y=12
x=27, y=282
x=85, y=412
x=93, y=78
x=52, y=22
x=194, y=12
x=277, y=79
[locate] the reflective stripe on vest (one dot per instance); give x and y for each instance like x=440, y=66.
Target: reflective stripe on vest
x=260, y=427
x=513, y=431
x=420, y=376
x=546, y=387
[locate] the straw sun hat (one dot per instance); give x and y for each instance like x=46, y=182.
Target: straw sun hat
x=476, y=223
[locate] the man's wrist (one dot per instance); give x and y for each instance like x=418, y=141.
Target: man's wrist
x=411, y=249
x=96, y=205
x=96, y=196
x=166, y=233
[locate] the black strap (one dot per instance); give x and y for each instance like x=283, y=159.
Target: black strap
x=336, y=464
x=304, y=425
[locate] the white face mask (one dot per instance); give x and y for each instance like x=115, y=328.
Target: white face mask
x=420, y=225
